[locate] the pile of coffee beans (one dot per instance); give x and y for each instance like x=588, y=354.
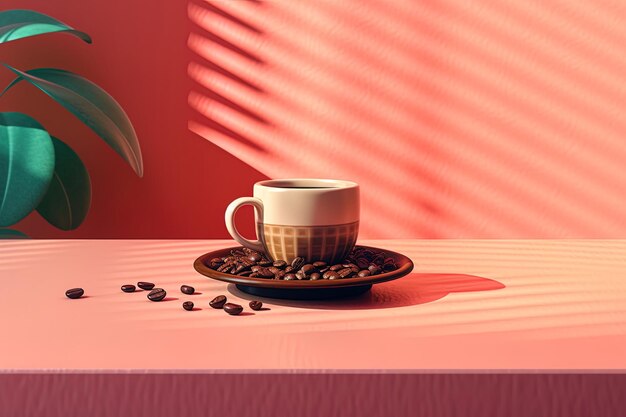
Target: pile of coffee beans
x=361, y=263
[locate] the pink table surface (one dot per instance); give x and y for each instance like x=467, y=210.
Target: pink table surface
x=470, y=304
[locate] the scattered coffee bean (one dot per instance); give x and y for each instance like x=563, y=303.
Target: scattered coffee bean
x=297, y=263
x=74, y=293
x=218, y=302
x=146, y=285
x=315, y=276
x=188, y=305
x=233, y=309
x=128, y=288
x=256, y=305
x=187, y=289
x=157, y=294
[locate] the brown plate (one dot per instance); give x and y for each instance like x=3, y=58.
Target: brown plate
x=304, y=289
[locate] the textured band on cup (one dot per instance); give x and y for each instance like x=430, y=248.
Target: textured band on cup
x=330, y=243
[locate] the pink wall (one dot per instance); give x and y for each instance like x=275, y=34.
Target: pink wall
x=459, y=119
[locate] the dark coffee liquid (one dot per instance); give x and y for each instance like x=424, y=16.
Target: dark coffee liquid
x=299, y=188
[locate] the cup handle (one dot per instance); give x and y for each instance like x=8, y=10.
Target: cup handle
x=230, y=221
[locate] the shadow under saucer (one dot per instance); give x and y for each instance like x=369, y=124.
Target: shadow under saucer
x=415, y=289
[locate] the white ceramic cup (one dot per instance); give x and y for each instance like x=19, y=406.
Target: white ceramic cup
x=317, y=219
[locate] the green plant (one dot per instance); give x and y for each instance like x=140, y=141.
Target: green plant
x=39, y=172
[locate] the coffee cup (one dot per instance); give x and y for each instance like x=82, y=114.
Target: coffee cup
x=317, y=219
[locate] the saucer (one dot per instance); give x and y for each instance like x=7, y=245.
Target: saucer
x=304, y=289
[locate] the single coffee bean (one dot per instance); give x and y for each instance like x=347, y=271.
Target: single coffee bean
x=336, y=267
x=320, y=264
x=344, y=273
x=288, y=269
x=389, y=261
x=188, y=305
x=379, y=260
x=187, y=289
x=265, y=262
x=264, y=273
x=256, y=305
x=215, y=262
x=225, y=267
x=301, y=275
x=240, y=266
x=157, y=294
x=374, y=269
x=280, y=274
x=389, y=267
x=273, y=269
x=362, y=263
x=364, y=273
x=290, y=277
x=218, y=302
x=74, y=293
x=255, y=256
x=280, y=264
x=244, y=273
x=255, y=268
x=233, y=309
x=331, y=275
x=297, y=263
x=253, y=275
x=307, y=269
x=315, y=276
x=128, y=288
x=145, y=285
x=237, y=252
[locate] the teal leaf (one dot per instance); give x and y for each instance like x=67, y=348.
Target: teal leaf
x=26, y=166
x=68, y=198
x=12, y=234
x=92, y=105
x=18, y=24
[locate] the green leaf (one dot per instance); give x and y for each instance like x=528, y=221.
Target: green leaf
x=92, y=105
x=68, y=198
x=11, y=234
x=26, y=166
x=18, y=24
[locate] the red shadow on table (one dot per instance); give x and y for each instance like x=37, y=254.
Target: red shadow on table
x=416, y=288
